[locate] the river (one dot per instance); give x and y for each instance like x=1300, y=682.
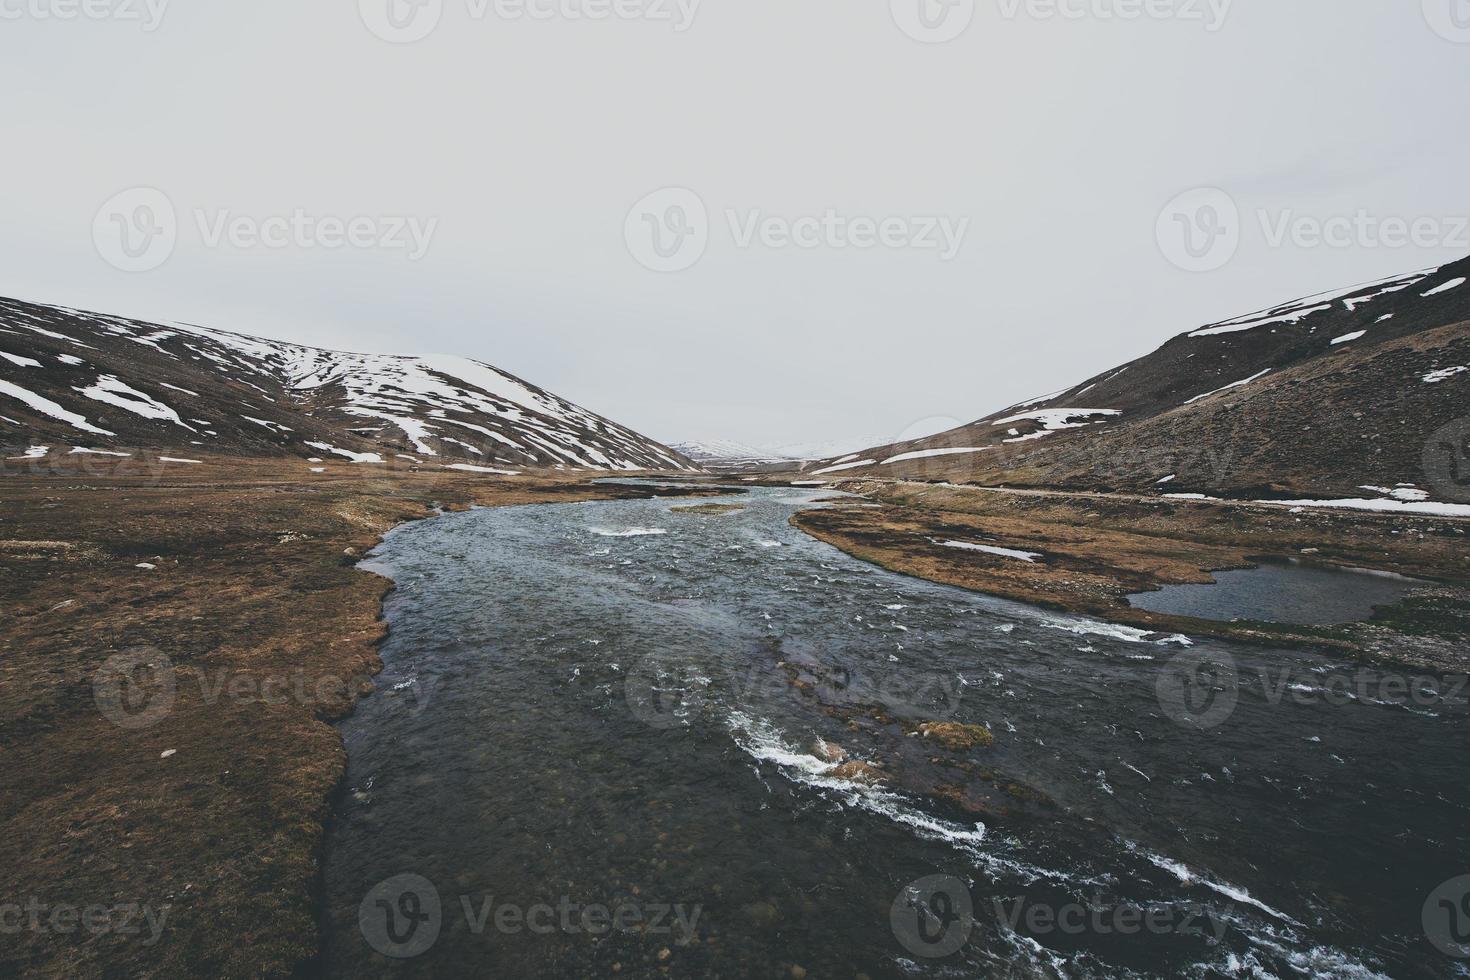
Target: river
x=609, y=741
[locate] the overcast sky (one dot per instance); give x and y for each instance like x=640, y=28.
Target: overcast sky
x=1047, y=141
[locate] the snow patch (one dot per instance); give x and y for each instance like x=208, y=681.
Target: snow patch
x=1233, y=384
x=1429, y=507
x=49, y=408
x=1452, y=284
x=1026, y=556
x=844, y=466
x=471, y=468
x=929, y=453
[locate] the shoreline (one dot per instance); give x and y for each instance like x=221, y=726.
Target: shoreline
x=1095, y=550
x=238, y=581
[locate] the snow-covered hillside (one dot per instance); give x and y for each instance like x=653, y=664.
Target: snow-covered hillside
x=87, y=380
x=1329, y=392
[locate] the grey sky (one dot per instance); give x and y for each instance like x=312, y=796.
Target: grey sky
x=1060, y=139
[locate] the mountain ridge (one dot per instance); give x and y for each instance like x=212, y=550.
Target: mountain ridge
x=1329, y=393
x=81, y=379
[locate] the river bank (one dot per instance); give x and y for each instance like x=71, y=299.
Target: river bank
x=176, y=640
x=1085, y=553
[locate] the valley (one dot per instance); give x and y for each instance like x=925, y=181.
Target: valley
x=606, y=669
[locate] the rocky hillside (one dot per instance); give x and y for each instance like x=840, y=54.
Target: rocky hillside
x=1327, y=395
x=73, y=382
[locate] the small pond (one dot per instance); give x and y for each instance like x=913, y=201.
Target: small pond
x=1290, y=592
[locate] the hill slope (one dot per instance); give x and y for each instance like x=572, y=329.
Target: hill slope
x=1322, y=395
x=71, y=380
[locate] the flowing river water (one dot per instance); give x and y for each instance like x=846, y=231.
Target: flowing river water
x=607, y=742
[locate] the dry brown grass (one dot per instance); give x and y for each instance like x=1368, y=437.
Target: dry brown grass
x=1097, y=549
x=250, y=585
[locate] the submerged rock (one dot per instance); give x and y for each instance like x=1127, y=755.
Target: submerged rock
x=829, y=751
x=858, y=771
x=957, y=737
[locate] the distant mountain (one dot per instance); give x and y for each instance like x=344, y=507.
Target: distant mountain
x=1327, y=394
x=74, y=381
x=724, y=451
x=727, y=454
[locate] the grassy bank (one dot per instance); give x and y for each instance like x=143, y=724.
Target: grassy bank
x=1094, y=550
x=173, y=827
